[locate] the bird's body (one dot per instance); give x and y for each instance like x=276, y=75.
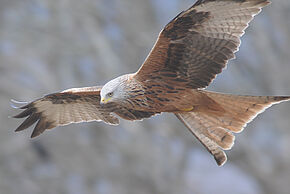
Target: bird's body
x=154, y=95
x=190, y=51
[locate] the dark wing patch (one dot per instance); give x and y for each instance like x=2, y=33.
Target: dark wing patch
x=197, y=44
x=182, y=24
x=130, y=114
x=70, y=106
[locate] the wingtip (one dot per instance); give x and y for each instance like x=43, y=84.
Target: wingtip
x=19, y=104
x=267, y=3
x=13, y=106
x=279, y=99
x=264, y=3
x=14, y=103
x=221, y=162
x=30, y=120
x=220, y=158
x=25, y=113
x=34, y=134
x=20, y=128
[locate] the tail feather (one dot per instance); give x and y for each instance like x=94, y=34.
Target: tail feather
x=214, y=129
x=197, y=128
x=240, y=110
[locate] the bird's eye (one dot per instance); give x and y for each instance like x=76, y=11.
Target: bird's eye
x=110, y=94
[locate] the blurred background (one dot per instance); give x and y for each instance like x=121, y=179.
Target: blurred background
x=51, y=45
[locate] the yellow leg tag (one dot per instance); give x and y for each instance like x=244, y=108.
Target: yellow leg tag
x=188, y=109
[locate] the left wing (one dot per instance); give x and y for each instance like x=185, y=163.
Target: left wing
x=197, y=44
x=70, y=106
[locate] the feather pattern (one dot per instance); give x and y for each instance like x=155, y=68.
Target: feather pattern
x=70, y=106
x=214, y=129
x=197, y=44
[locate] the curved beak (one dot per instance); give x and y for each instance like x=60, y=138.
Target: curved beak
x=105, y=101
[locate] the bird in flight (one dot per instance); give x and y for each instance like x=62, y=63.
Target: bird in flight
x=190, y=51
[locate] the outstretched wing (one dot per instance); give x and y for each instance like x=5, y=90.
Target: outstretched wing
x=69, y=106
x=197, y=44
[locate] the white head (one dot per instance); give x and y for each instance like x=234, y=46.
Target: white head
x=114, y=90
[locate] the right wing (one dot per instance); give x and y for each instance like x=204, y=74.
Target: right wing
x=70, y=106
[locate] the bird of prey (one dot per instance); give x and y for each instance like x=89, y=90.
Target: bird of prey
x=190, y=51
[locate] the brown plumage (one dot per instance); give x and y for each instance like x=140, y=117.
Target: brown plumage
x=190, y=51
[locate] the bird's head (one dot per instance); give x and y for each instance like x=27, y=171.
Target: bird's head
x=114, y=90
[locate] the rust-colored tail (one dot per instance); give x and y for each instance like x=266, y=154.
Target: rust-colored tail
x=214, y=128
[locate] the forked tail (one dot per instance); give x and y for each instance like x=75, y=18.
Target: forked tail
x=214, y=129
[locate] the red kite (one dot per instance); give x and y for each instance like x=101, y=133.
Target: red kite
x=190, y=51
